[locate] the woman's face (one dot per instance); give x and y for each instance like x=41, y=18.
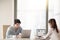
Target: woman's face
x=51, y=24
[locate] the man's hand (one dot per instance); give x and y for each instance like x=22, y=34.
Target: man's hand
x=18, y=36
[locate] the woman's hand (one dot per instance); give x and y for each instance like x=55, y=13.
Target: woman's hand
x=43, y=37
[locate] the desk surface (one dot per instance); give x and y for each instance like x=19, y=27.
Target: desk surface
x=24, y=39
x=18, y=39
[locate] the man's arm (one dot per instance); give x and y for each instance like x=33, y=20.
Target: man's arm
x=19, y=31
x=8, y=33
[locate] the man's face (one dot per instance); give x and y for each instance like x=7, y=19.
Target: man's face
x=17, y=25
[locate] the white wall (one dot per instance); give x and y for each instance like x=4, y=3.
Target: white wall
x=6, y=14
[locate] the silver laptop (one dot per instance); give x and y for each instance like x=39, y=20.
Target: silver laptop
x=26, y=33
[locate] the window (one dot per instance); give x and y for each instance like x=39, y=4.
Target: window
x=54, y=10
x=32, y=13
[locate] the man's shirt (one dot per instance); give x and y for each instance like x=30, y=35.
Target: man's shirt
x=11, y=31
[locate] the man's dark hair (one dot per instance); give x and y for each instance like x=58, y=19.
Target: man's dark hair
x=17, y=21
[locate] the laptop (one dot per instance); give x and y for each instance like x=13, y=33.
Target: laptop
x=26, y=33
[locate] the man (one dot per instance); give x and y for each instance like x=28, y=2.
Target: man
x=14, y=30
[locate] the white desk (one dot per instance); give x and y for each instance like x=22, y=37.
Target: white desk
x=41, y=39
x=25, y=39
x=18, y=39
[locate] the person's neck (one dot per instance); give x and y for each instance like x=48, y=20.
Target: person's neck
x=16, y=29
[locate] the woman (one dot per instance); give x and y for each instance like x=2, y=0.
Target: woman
x=53, y=32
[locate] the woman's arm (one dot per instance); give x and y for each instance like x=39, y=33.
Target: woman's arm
x=48, y=34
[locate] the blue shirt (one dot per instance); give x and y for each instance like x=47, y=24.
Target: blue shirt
x=11, y=31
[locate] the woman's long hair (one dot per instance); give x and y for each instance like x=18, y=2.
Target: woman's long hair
x=54, y=26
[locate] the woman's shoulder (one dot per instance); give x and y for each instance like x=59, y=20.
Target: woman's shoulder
x=51, y=29
x=59, y=31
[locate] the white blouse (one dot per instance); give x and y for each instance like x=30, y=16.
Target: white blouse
x=52, y=34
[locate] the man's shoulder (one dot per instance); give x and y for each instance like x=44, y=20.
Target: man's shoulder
x=20, y=28
x=10, y=27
